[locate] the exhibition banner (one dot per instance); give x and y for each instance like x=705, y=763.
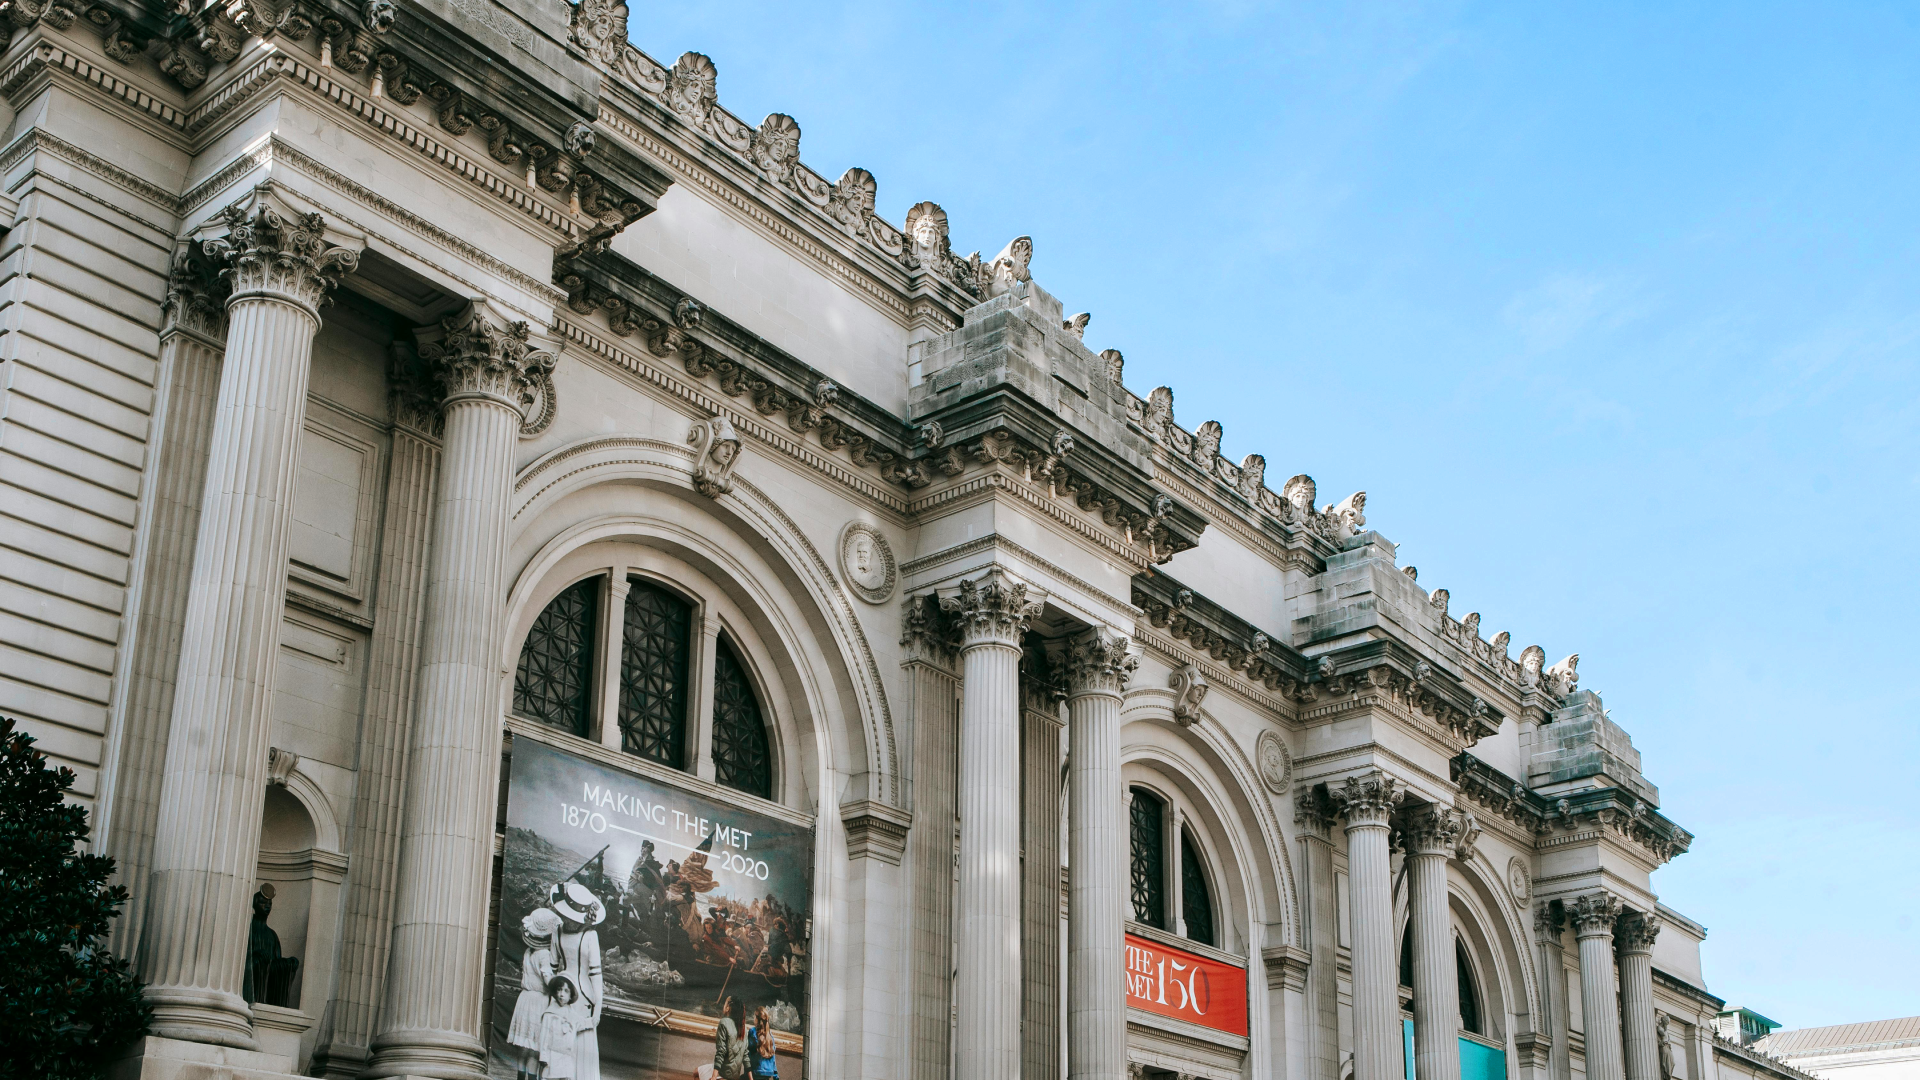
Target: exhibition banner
x=1186, y=986
x=645, y=931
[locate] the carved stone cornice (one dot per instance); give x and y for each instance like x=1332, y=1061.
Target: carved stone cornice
x=992, y=609
x=1286, y=967
x=196, y=300
x=1367, y=800
x=1098, y=662
x=477, y=354
x=1593, y=914
x=1212, y=629
x=1609, y=810
x=876, y=831
x=276, y=253
x=1636, y=931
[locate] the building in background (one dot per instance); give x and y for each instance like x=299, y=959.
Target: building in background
x=1878, y=1050
x=396, y=393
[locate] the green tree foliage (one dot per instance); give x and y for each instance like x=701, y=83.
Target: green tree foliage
x=68, y=1006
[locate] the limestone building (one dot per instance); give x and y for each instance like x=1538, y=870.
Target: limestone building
x=406, y=405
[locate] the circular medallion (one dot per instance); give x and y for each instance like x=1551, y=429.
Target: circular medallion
x=1519, y=880
x=866, y=562
x=1276, y=765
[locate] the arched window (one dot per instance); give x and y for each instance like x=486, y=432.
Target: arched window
x=741, y=755
x=1196, y=901
x=1406, y=956
x=617, y=658
x=554, y=680
x=654, y=648
x=1148, y=833
x=1469, y=990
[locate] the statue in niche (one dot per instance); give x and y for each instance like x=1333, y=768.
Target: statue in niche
x=268, y=977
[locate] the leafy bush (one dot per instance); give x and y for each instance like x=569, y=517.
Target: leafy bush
x=67, y=1004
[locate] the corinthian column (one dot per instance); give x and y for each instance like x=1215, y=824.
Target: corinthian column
x=1365, y=805
x=1097, y=670
x=431, y=1024
x=992, y=612
x=1593, y=916
x=1432, y=835
x=1635, y=940
x=207, y=830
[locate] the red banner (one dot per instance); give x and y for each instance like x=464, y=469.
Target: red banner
x=1186, y=986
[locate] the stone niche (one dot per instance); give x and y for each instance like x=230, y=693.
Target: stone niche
x=299, y=857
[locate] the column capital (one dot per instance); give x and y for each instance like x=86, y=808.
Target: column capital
x=1313, y=810
x=1367, y=800
x=1097, y=662
x=196, y=300
x=1549, y=921
x=992, y=609
x=1593, y=914
x=1439, y=830
x=271, y=250
x=1636, y=931
x=477, y=354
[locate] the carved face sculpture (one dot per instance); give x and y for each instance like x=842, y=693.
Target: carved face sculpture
x=724, y=451
x=1021, y=251
x=776, y=146
x=863, y=555
x=691, y=85
x=927, y=228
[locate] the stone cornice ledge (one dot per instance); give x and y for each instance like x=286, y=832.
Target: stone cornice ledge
x=1607, y=810
x=875, y=831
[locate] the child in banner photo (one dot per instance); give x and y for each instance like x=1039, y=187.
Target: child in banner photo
x=536, y=971
x=560, y=1025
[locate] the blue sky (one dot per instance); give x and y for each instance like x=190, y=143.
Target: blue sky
x=1611, y=309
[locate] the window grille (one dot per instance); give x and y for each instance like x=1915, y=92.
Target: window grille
x=1196, y=903
x=1149, y=859
x=654, y=650
x=553, y=683
x=741, y=756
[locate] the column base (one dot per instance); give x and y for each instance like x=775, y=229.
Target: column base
x=441, y=1055
x=157, y=1058
x=199, y=1015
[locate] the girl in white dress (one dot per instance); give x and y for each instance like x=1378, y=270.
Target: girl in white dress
x=576, y=955
x=536, y=970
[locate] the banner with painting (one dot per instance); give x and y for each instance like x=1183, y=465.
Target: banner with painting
x=645, y=932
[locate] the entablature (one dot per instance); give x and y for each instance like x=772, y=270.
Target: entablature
x=1610, y=811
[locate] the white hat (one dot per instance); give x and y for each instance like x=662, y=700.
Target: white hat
x=576, y=903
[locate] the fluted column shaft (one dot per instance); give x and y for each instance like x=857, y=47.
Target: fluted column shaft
x=207, y=830
x=431, y=1022
x=1365, y=805
x=1640, y=1036
x=992, y=613
x=1097, y=669
x=1593, y=917
x=1432, y=834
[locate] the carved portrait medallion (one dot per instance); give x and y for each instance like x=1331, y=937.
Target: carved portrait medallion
x=1276, y=765
x=866, y=562
x=1519, y=880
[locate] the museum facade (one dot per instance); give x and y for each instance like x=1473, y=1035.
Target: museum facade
x=534, y=580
